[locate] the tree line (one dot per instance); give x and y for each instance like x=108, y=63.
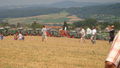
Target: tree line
x=93, y=22
x=86, y=23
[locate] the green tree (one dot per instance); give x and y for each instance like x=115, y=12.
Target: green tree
x=86, y=23
x=35, y=25
x=90, y=22
x=117, y=25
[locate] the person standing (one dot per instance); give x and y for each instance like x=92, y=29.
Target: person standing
x=111, y=34
x=82, y=33
x=93, y=37
x=113, y=58
x=88, y=33
x=44, y=33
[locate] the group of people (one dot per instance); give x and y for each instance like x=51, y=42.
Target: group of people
x=87, y=34
x=18, y=36
x=113, y=59
x=83, y=33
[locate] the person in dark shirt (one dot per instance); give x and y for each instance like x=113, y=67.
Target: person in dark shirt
x=111, y=34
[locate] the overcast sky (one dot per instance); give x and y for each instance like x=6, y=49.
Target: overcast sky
x=26, y=2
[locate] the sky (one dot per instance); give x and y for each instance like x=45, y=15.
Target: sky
x=32, y=2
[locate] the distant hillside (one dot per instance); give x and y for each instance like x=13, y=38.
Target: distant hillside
x=102, y=12
x=56, y=18
x=50, y=18
x=33, y=10
x=113, y=9
x=61, y=4
x=68, y=4
x=27, y=11
x=108, y=12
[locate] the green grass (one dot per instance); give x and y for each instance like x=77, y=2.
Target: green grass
x=59, y=20
x=50, y=18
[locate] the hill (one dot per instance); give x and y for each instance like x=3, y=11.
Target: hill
x=55, y=18
x=107, y=12
x=33, y=10
x=27, y=11
x=101, y=12
x=61, y=4
x=68, y=4
x=48, y=18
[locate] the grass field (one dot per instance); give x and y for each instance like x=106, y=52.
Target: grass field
x=50, y=18
x=55, y=53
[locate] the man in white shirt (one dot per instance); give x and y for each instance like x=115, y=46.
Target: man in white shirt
x=88, y=33
x=82, y=33
x=93, y=37
x=44, y=33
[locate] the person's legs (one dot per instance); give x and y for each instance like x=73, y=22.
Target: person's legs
x=92, y=39
x=43, y=37
x=110, y=39
x=81, y=39
x=109, y=65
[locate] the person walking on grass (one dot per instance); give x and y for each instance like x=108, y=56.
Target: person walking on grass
x=88, y=33
x=113, y=58
x=111, y=34
x=82, y=34
x=44, y=34
x=93, y=37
